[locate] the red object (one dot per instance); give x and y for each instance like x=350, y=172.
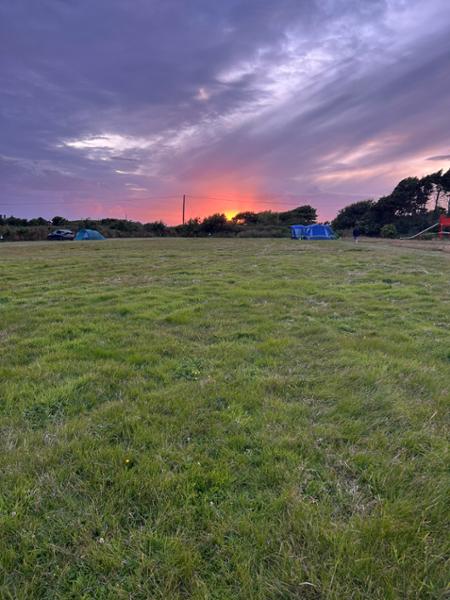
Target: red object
x=443, y=222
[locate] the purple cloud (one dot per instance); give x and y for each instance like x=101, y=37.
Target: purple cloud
x=112, y=104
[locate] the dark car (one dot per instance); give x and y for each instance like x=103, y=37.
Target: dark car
x=61, y=234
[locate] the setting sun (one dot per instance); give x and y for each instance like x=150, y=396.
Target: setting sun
x=222, y=195
x=230, y=214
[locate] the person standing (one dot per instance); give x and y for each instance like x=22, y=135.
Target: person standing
x=356, y=234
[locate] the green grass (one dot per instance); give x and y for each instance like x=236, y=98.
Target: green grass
x=223, y=419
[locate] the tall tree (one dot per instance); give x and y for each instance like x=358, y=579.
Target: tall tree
x=215, y=224
x=410, y=196
x=436, y=183
x=353, y=214
x=245, y=218
x=302, y=215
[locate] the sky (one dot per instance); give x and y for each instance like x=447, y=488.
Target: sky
x=116, y=108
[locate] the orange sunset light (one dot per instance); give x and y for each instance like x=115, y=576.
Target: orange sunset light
x=231, y=213
x=223, y=196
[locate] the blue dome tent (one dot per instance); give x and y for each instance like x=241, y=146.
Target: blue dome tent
x=88, y=234
x=312, y=232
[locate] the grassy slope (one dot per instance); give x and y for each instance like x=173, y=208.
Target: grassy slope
x=281, y=406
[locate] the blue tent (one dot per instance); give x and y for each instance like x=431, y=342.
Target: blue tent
x=312, y=232
x=297, y=232
x=88, y=234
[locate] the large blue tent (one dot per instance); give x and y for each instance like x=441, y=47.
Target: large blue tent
x=297, y=231
x=88, y=234
x=312, y=232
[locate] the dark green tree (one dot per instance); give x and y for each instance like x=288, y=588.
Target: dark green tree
x=434, y=180
x=356, y=214
x=39, y=222
x=410, y=197
x=16, y=222
x=191, y=228
x=216, y=223
x=302, y=215
x=59, y=221
x=445, y=182
x=267, y=217
x=388, y=231
x=245, y=218
x=158, y=228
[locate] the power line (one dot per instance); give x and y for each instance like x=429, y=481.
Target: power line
x=71, y=204
x=242, y=201
x=106, y=201
x=76, y=201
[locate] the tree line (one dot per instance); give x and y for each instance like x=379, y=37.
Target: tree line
x=414, y=204
x=244, y=224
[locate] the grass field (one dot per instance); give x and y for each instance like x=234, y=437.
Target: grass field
x=223, y=419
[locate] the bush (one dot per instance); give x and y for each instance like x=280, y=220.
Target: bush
x=191, y=228
x=59, y=221
x=265, y=232
x=389, y=231
x=159, y=228
x=217, y=223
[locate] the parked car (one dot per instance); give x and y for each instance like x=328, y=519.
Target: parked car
x=61, y=234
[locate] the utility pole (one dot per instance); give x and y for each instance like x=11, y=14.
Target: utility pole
x=184, y=206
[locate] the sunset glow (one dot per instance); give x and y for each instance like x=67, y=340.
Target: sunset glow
x=301, y=113
x=231, y=213
x=218, y=194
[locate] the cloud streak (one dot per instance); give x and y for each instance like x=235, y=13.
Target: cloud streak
x=112, y=104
